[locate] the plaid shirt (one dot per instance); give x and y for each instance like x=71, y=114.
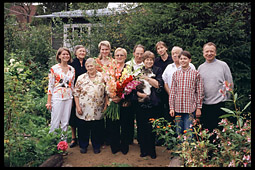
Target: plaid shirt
x=187, y=91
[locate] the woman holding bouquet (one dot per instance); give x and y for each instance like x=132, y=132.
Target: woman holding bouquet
x=89, y=95
x=149, y=110
x=103, y=61
x=119, y=129
x=105, y=57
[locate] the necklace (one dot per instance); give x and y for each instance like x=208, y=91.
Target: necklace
x=90, y=76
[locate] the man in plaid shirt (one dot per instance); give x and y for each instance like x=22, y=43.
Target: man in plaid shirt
x=186, y=95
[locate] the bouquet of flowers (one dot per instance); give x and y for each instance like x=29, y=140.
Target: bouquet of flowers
x=117, y=84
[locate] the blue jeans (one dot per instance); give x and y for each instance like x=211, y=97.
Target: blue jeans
x=184, y=121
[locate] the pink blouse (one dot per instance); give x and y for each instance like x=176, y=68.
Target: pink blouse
x=60, y=84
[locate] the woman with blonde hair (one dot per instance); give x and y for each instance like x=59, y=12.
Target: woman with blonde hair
x=102, y=62
x=105, y=56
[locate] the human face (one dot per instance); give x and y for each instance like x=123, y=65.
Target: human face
x=161, y=50
x=81, y=53
x=138, y=55
x=91, y=68
x=148, y=62
x=64, y=56
x=184, y=61
x=120, y=57
x=175, y=53
x=209, y=53
x=104, y=51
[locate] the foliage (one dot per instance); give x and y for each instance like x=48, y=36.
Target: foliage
x=166, y=131
x=191, y=25
x=227, y=146
x=28, y=55
x=188, y=25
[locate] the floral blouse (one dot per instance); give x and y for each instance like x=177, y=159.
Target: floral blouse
x=91, y=96
x=60, y=84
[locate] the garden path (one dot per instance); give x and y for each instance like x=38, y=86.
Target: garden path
x=106, y=159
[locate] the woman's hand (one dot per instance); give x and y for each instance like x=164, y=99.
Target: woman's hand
x=48, y=106
x=79, y=111
x=142, y=95
x=116, y=99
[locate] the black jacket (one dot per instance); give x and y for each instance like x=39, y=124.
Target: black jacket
x=78, y=69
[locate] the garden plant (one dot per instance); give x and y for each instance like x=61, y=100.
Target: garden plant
x=28, y=56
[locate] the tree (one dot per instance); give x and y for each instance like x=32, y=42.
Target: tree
x=191, y=25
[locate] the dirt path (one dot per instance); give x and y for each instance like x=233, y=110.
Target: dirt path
x=106, y=159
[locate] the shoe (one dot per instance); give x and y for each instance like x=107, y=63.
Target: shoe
x=96, y=151
x=115, y=151
x=153, y=156
x=83, y=150
x=73, y=144
x=143, y=154
x=124, y=151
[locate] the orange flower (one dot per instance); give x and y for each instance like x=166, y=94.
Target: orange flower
x=169, y=125
x=185, y=131
x=158, y=127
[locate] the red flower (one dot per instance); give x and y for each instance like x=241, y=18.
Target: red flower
x=62, y=145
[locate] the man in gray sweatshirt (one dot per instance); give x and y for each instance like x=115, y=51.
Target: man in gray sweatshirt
x=213, y=73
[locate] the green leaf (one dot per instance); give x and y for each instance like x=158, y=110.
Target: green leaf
x=248, y=104
x=227, y=115
x=227, y=110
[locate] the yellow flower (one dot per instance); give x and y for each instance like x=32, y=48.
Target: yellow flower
x=6, y=141
x=164, y=127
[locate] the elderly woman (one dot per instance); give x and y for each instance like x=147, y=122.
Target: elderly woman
x=119, y=129
x=79, y=66
x=145, y=112
x=89, y=96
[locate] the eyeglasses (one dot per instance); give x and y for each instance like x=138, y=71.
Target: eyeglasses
x=119, y=55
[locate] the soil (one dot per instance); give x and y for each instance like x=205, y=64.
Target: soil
x=106, y=159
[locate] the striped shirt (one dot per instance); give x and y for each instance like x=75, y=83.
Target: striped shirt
x=187, y=91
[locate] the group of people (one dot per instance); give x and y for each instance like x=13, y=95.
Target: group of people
x=77, y=95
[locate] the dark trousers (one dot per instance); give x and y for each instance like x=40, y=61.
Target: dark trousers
x=87, y=129
x=106, y=138
x=120, y=131
x=210, y=115
x=144, y=127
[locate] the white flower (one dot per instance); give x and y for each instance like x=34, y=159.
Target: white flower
x=20, y=70
x=11, y=61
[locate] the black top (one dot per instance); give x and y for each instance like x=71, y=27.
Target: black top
x=162, y=64
x=155, y=92
x=155, y=98
x=78, y=69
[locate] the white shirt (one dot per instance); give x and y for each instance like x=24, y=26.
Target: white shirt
x=169, y=71
x=135, y=66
